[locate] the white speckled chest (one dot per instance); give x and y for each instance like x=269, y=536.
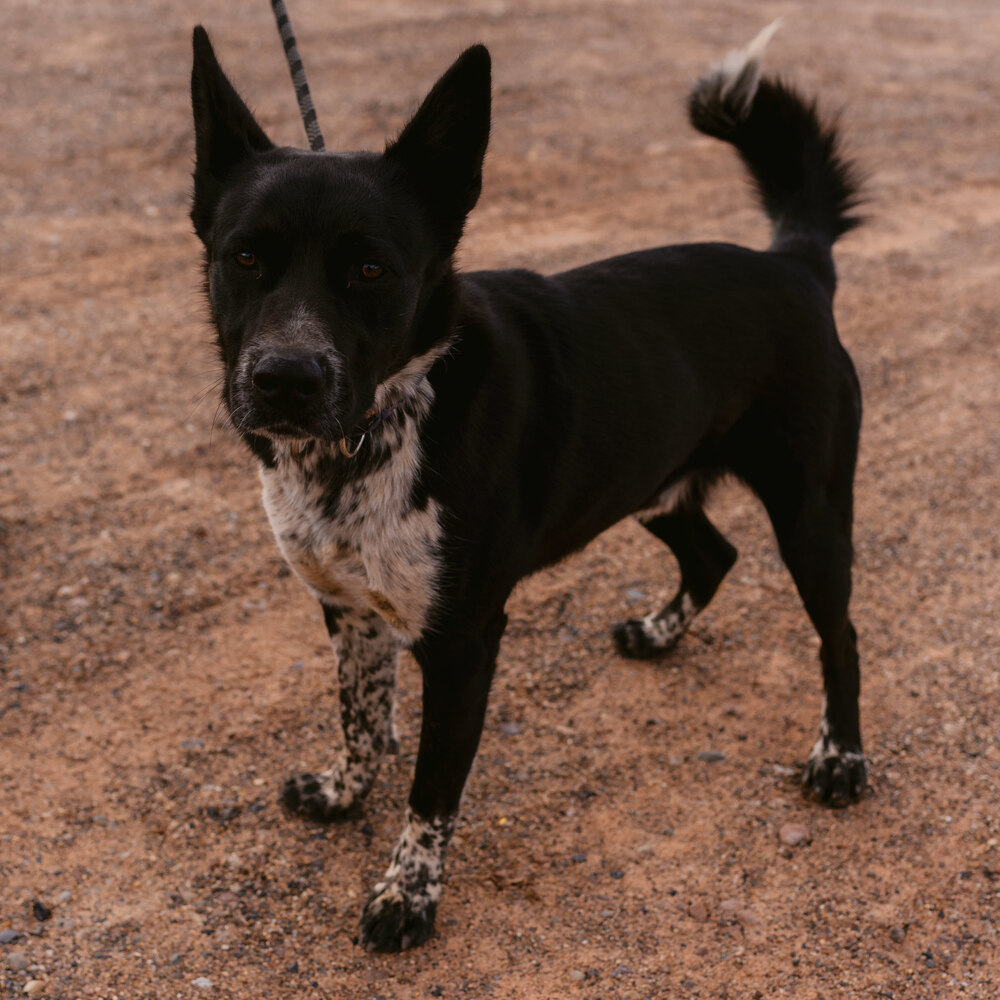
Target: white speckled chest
x=365, y=547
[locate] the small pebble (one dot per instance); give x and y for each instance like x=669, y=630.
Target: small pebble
x=9, y=936
x=576, y=975
x=794, y=835
x=698, y=911
x=65, y=896
x=748, y=918
x=40, y=910
x=511, y=729
x=646, y=850
x=17, y=961
x=579, y=858
x=897, y=934
x=711, y=756
x=33, y=987
x=635, y=594
x=202, y=982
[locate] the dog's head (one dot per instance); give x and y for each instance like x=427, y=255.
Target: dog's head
x=325, y=271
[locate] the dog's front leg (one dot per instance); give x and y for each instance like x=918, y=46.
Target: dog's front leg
x=367, y=654
x=457, y=672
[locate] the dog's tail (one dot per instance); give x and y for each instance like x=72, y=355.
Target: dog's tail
x=807, y=187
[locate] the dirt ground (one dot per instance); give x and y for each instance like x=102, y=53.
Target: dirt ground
x=162, y=673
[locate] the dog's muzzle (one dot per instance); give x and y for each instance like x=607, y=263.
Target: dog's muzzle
x=289, y=392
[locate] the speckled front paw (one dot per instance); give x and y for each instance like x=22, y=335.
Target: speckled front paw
x=395, y=919
x=319, y=797
x=834, y=775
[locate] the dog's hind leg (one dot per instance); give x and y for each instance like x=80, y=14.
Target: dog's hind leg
x=813, y=527
x=367, y=653
x=457, y=672
x=704, y=556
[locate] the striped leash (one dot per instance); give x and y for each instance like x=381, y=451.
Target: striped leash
x=298, y=72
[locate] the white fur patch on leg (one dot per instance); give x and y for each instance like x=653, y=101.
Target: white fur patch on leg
x=834, y=774
x=665, y=628
x=401, y=909
x=657, y=633
x=367, y=653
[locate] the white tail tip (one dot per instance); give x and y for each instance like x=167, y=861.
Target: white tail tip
x=739, y=71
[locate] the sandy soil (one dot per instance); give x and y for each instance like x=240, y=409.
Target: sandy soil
x=162, y=673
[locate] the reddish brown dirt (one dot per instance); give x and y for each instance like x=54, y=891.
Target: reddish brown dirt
x=161, y=672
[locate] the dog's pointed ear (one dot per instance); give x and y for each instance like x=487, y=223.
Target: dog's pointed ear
x=226, y=133
x=441, y=150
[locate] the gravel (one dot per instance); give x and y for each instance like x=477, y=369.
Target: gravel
x=794, y=835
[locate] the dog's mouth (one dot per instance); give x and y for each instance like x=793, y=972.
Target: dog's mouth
x=283, y=432
x=280, y=419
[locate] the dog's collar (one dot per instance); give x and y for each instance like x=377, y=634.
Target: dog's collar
x=373, y=419
x=351, y=444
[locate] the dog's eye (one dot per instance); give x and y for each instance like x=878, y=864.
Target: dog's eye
x=370, y=270
x=246, y=258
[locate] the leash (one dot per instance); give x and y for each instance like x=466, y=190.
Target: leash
x=298, y=72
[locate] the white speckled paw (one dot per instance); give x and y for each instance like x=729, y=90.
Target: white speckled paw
x=394, y=919
x=322, y=797
x=834, y=775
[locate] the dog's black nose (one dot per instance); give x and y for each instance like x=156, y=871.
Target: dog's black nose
x=296, y=377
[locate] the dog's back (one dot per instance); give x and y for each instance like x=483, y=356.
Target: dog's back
x=632, y=373
x=661, y=331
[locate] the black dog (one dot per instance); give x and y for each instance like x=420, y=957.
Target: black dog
x=426, y=439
